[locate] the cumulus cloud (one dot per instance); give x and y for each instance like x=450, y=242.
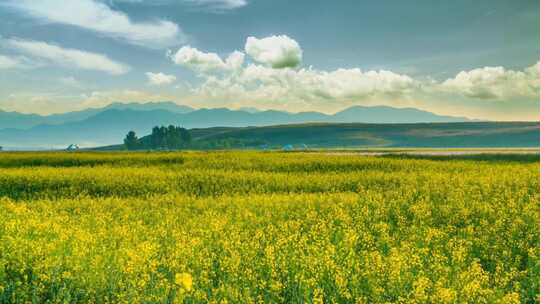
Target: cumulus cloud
x=8, y=62
x=160, y=78
x=275, y=51
x=235, y=60
x=200, y=61
x=275, y=76
x=97, y=16
x=68, y=57
x=495, y=83
x=257, y=82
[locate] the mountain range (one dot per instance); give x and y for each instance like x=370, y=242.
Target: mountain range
x=15, y=120
x=108, y=125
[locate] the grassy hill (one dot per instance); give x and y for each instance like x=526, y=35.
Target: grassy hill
x=355, y=135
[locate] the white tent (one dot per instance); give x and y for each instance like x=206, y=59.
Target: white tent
x=72, y=147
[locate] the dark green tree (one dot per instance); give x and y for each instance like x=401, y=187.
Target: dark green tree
x=162, y=135
x=174, y=140
x=154, y=138
x=171, y=137
x=185, y=135
x=132, y=141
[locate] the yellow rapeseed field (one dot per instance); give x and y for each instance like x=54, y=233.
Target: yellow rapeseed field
x=267, y=227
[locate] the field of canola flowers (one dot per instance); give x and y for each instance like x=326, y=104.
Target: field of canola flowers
x=255, y=227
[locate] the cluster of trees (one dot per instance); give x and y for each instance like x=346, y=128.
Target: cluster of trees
x=171, y=137
x=162, y=138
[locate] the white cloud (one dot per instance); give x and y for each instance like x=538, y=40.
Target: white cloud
x=276, y=51
x=8, y=62
x=235, y=60
x=98, y=17
x=495, y=83
x=160, y=78
x=306, y=86
x=199, y=61
x=219, y=4
x=279, y=80
x=68, y=57
x=276, y=79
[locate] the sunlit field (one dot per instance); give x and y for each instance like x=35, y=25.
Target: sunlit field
x=250, y=227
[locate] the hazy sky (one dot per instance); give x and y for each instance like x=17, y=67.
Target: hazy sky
x=473, y=58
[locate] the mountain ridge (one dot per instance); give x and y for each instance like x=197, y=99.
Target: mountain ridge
x=109, y=125
x=26, y=121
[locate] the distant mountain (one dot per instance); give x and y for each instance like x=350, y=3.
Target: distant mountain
x=14, y=120
x=105, y=127
x=384, y=114
x=20, y=121
x=250, y=109
x=109, y=125
x=150, y=106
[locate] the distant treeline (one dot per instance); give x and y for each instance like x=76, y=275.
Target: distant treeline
x=162, y=138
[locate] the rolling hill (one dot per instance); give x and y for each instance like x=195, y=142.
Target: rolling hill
x=359, y=135
x=349, y=135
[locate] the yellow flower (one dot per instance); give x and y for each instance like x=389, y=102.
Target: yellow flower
x=184, y=280
x=511, y=298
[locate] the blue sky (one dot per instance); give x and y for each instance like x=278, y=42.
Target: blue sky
x=472, y=58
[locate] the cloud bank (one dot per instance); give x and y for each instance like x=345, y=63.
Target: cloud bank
x=496, y=83
x=274, y=75
x=270, y=74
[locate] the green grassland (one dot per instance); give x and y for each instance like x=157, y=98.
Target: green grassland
x=360, y=135
x=431, y=135
x=269, y=227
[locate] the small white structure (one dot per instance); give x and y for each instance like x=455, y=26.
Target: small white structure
x=288, y=148
x=72, y=147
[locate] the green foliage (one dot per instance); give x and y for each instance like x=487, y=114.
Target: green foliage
x=247, y=227
x=132, y=141
x=169, y=138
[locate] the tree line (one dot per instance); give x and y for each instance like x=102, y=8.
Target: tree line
x=162, y=138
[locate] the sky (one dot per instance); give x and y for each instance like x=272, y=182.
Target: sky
x=479, y=59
